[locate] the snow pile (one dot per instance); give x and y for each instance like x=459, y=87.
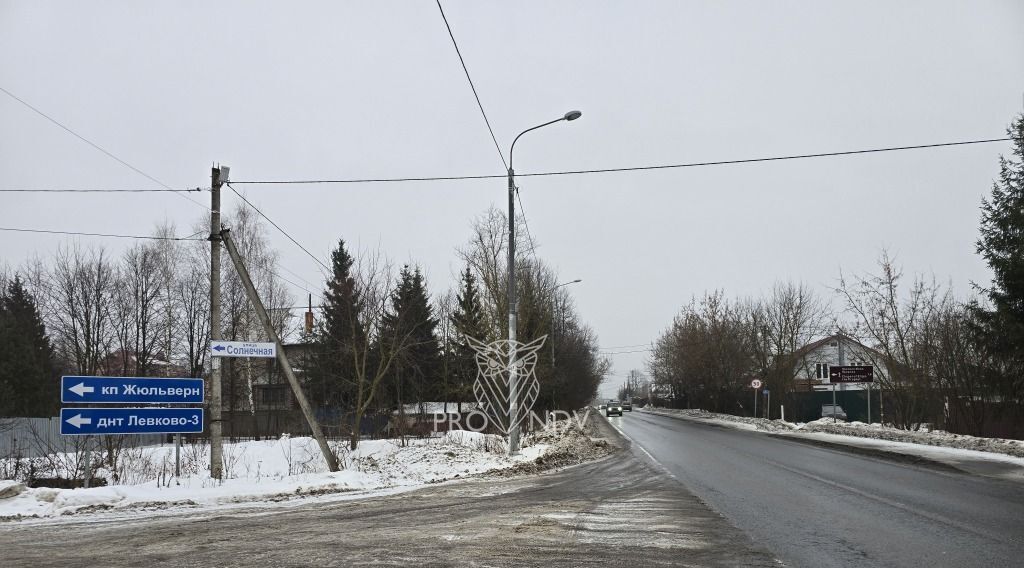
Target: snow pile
x=567, y=442
x=272, y=470
x=932, y=438
x=742, y=421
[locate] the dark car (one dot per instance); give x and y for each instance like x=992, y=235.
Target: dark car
x=627, y=405
x=613, y=407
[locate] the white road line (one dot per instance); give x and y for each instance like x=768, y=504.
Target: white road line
x=644, y=450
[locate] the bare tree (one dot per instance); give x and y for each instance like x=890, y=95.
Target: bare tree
x=79, y=297
x=372, y=352
x=899, y=326
x=136, y=315
x=241, y=322
x=780, y=325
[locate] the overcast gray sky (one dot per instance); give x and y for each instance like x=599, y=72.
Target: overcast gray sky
x=317, y=90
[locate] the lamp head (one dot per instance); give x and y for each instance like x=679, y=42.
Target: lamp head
x=572, y=115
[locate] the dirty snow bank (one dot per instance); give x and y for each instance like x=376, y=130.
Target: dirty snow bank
x=269, y=471
x=566, y=443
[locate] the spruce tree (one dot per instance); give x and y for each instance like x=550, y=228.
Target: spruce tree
x=332, y=373
x=28, y=381
x=468, y=320
x=1002, y=246
x=411, y=326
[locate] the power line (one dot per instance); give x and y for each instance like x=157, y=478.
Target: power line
x=300, y=278
x=471, y=86
x=278, y=227
x=151, y=190
x=526, y=225
x=626, y=352
x=626, y=169
x=98, y=147
x=617, y=347
x=99, y=234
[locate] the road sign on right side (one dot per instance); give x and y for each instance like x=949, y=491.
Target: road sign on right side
x=851, y=373
x=755, y=384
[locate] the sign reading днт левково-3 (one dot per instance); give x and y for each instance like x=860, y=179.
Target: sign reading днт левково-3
x=100, y=421
x=130, y=390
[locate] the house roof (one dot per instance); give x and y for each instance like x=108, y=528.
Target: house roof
x=834, y=337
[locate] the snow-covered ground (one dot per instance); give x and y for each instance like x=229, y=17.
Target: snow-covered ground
x=962, y=451
x=268, y=471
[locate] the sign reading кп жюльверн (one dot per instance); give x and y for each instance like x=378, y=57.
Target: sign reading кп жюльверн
x=242, y=349
x=130, y=390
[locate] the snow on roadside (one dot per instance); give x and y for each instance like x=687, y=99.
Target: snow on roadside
x=742, y=422
x=931, y=438
x=876, y=431
x=273, y=470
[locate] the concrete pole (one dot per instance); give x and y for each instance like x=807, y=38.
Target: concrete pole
x=513, y=378
x=216, y=440
x=282, y=358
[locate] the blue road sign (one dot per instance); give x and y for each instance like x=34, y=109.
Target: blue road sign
x=131, y=390
x=99, y=421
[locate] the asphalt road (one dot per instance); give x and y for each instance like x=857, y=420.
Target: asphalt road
x=619, y=511
x=817, y=507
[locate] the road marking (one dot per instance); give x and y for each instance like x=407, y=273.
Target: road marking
x=644, y=450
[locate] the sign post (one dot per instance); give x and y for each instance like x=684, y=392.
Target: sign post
x=100, y=421
x=850, y=374
x=767, y=404
x=755, y=384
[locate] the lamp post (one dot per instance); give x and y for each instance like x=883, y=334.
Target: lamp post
x=513, y=379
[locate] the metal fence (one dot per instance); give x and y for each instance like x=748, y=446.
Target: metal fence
x=38, y=437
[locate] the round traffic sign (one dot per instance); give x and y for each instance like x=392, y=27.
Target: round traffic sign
x=755, y=384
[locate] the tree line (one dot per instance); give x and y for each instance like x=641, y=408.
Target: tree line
x=382, y=340
x=956, y=362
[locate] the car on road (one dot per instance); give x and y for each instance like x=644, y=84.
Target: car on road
x=830, y=411
x=627, y=405
x=613, y=407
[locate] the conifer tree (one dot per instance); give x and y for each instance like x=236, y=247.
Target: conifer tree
x=28, y=381
x=468, y=320
x=332, y=371
x=1002, y=246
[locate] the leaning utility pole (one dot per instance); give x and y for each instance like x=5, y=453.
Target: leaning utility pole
x=216, y=442
x=282, y=358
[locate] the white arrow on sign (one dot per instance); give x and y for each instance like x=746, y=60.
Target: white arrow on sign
x=80, y=389
x=77, y=421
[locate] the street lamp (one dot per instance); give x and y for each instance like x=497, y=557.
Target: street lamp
x=513, y=379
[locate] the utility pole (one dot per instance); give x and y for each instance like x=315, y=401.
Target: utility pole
x=282, y=358
x=216, y=441
x=513, y=375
